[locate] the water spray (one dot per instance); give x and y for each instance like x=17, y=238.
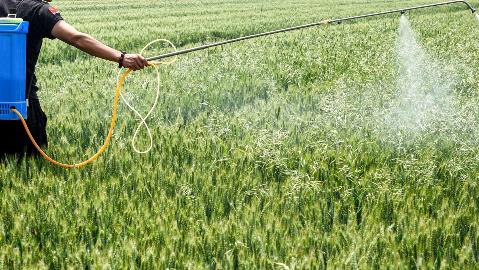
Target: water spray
x=12, y=94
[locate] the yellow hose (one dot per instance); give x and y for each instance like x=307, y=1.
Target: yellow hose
x=119, y=86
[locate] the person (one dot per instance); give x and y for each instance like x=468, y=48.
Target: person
x=45, y=21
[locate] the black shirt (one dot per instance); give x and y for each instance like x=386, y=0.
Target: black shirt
x=42, y=18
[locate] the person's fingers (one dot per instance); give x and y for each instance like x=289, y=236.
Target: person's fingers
x=133, y=63
x=144, y=61
x=133, y=66
x=139, y=64
x=139, y=61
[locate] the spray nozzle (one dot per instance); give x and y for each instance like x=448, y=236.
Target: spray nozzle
x=403, y=12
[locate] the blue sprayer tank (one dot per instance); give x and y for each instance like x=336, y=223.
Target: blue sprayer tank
x=13, y=49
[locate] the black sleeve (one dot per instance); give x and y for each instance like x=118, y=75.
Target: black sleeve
x=42, y=18
x=3, y=9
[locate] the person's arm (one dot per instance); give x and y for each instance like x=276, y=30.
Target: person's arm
x=68, y=34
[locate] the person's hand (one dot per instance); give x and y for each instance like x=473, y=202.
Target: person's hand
x=134, y=62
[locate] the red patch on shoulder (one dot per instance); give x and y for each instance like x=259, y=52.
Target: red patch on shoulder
x=53, y=9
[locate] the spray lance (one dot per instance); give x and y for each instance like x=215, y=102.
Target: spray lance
x=324, y=22
x=12, y=80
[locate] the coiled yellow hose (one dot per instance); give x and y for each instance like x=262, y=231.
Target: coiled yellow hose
x=119, y=87
x=142, y=122
x=105, y=144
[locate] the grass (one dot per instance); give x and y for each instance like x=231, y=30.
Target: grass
x=269, y=154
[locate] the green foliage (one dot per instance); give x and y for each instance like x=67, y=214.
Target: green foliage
x=269, y=154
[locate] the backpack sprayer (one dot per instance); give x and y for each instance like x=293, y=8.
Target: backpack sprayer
x=13, y=105
x=13, y=44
